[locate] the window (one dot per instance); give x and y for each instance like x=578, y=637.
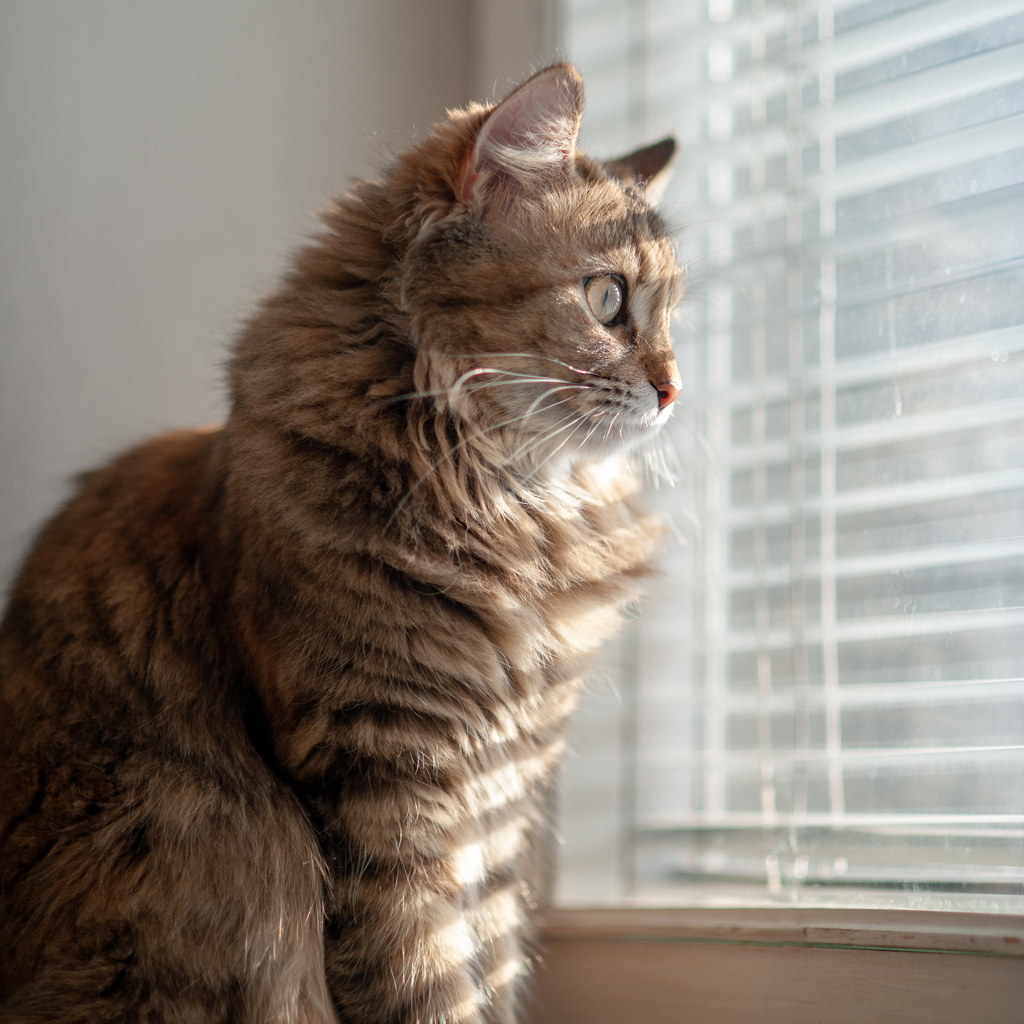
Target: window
x=823, y=702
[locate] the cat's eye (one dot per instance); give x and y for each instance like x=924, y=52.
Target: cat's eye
x=605, y=295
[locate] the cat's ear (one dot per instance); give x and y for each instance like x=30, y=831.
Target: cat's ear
x=645, y=168
x=530, y=134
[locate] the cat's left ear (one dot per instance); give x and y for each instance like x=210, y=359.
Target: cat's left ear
x=530, y=135
x=646, y=168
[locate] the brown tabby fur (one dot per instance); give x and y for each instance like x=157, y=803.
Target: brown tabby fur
x=277, y=697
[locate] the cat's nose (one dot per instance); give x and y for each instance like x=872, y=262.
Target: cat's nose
x=668, y=392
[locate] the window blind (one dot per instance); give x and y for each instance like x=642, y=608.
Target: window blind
x=823, y=698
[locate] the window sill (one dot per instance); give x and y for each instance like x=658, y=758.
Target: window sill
x=667, y=965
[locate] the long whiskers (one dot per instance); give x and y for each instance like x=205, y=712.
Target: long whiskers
x=466, y=440
x=608, y=432
x=655, y=456
x=521, y=355
x=518, y=378
x=451, y=392
x=580, y=421
x=572, y=420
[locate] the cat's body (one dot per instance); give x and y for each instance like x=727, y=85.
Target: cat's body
x=277, y=698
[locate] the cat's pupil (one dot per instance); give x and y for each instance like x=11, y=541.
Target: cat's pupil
x=605, y=297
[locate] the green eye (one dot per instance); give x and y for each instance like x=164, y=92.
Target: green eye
x=605, y=297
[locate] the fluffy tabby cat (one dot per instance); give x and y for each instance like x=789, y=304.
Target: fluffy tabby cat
x=278, y=697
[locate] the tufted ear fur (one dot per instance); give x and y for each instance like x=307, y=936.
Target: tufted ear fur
x=530, y=135
x=645, y=168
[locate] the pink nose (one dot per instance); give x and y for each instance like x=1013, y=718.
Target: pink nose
x=668, y=392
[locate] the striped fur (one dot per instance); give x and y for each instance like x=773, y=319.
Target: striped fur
x=277, y=699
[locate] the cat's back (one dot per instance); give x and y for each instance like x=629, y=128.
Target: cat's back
x=143, y=838
x=118, y=576
x=128, y=541
x=100, y=643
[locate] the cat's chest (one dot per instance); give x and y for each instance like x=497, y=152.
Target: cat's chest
x=428, y=702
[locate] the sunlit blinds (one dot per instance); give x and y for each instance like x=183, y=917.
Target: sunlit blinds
x=826, y=693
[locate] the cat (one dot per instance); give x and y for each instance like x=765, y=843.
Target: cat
x=279, y=699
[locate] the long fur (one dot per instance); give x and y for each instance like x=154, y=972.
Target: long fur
x=277, y=699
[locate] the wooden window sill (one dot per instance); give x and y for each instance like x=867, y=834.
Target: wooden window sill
x=638, y=966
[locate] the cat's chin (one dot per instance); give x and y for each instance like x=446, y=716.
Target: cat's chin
x=627, y=436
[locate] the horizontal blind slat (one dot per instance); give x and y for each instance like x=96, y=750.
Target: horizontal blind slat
x=818, y=819
x=879, y=628
x=902, y=694
x=908, y=559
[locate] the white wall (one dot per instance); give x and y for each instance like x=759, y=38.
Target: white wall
x=511, y=38
x=158, y=160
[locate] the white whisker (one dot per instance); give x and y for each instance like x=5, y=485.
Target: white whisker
x=521, y=379
x=539, y=467
x=610, y=425
x=518, y=355
x=544, y=438
x=451, y=451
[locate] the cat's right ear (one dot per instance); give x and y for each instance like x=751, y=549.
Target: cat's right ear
x=647, y=168
x=531, y=134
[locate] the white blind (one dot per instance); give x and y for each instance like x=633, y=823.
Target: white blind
x=824, y=698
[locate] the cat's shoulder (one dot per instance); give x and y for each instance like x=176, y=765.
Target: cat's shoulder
x=160, y=480
x=129, y=533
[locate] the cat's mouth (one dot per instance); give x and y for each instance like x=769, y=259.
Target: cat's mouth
x=629, y=427
x=605, y=419
x=549, y=416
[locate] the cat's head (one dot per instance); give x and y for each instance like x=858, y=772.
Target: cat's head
x=540, y=292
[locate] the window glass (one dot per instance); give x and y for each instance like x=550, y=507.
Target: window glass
x=822, y=700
